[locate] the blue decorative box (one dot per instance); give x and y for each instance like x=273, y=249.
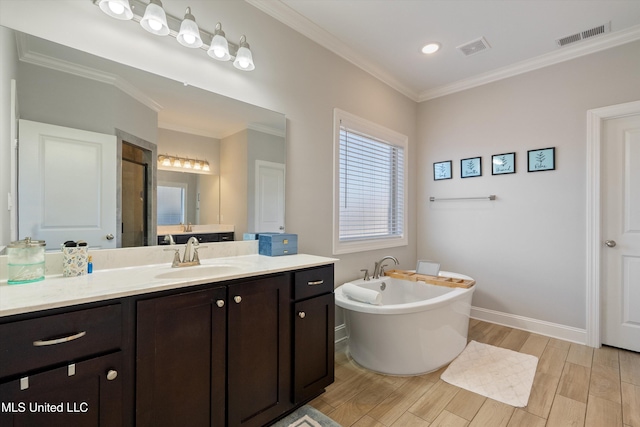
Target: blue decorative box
x=276, y=244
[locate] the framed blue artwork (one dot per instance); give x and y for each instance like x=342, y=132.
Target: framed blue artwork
x=504, y=163
x=442, y=170
x=471, y=167
x=543, y=159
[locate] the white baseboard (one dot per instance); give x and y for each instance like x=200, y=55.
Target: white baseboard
x=553, y=330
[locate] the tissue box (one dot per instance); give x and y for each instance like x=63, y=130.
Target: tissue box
x=276, y=244
x=74, y=261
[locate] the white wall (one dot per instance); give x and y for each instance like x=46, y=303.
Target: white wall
x=527, y=250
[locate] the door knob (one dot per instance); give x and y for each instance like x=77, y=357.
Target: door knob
x=109, y=236
x=610, y=243
x=112, y=374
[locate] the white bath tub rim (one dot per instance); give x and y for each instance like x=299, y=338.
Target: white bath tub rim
x=449, y=295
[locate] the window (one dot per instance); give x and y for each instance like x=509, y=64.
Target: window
x=171, y=203
x=370, y=176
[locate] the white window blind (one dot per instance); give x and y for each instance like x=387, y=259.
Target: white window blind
x=371, y=188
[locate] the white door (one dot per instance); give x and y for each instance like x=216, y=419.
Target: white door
x=621, y=232
x=66, y=185
x=269, y=197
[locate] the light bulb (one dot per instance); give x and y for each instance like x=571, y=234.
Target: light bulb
x=156, y=25
x=116, y=8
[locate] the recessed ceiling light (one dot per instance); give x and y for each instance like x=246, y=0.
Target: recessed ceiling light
x=431, y=48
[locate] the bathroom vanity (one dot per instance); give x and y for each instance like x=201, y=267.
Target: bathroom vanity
x=238, y=341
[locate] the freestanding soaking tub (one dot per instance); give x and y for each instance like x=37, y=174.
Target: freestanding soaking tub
x=416, y=329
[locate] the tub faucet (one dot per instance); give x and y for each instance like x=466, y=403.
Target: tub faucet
x=379, y=267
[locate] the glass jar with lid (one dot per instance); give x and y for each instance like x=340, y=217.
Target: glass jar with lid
x=25, y=261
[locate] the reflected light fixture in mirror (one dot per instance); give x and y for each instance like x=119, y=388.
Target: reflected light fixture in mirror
x=175, y=162
x=186, y=31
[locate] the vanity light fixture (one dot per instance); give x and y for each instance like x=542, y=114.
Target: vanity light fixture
x=168, y=161
x=244, y=60
x=119, y=9
x=219, y=48
x=156, y=21
x=189, y=35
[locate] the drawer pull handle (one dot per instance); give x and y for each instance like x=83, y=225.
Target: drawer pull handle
x=220, y=303
x=237, y=299
x=112, y=374
x=317, y=282
x=302, y=314
x=41, y=343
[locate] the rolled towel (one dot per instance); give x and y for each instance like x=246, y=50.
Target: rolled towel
x=361, y=294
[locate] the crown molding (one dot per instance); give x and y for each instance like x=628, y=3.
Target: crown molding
x=27, y=55
x=283, y=13
x=566, y=53
x=190, y=130
x=267, y=129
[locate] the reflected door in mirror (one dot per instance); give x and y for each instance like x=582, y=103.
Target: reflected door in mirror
x=66, y=184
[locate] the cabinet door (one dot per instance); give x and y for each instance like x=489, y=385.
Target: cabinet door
x=180, y=360
x=313, y=346
x=259, y=361
x=85, y=394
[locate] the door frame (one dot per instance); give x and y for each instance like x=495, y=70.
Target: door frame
x=595, y=121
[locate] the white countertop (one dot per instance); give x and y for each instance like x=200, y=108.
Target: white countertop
x=58, y=291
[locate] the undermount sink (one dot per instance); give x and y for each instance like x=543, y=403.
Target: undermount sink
x=199, y=271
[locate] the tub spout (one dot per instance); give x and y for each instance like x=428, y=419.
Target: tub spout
x=379, y=266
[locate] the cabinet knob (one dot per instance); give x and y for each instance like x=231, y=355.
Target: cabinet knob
x=220, y=303
x=112, y=374
x=302, y=314
x=237, y=299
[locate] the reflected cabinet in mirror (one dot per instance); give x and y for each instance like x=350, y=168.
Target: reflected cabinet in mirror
x=91, y=132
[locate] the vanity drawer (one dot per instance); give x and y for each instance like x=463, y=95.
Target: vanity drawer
x=48, y=340
x=312, y=282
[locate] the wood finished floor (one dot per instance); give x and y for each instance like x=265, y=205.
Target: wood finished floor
x=575, y=385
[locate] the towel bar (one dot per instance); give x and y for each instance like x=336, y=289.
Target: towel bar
x=438, y=199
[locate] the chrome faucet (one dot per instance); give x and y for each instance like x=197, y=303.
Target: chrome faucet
x=379, y=267
x=193, y=241
x=169, y=238
x=187, y=259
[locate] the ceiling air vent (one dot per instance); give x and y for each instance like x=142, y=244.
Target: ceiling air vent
x=473, y=47
x=592, y=32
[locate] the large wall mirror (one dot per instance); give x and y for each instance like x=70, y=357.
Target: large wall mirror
x=148, y=116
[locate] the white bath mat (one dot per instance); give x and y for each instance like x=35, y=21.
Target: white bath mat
x=500, y=374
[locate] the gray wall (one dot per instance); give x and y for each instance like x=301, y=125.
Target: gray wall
x=62, y=99
x=527, y=250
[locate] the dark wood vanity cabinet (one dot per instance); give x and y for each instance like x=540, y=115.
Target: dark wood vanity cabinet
x=181, y=359
x=215, y=357
x=259, y=361
x=241, y=353
x=64, y=369
x=313, y=332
